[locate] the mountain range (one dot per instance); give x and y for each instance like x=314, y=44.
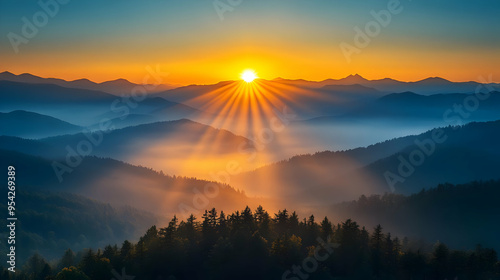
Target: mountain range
x=173, y=146
x=54, y=222
x=469, y=153
x=88, y=107
x=445, y=212
x=32, y=125
x=101, y=142
x=428, y=86
x=409, y=105
x=117, y=87
x=123, y=184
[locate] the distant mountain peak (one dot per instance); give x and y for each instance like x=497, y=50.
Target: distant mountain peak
x=28, y=75
x=21, y=112
x=82, y=80
x=355, y=79
x=435, y=80
x=120, y=81
x=388, y=80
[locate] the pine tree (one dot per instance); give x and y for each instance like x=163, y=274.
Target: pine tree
x=281, y=221
x=376, y=246
x=439, y=261
x=67, y=260
x=222, y=227
x=167, y=233
x=326, y=228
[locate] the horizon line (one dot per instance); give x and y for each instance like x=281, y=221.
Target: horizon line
x=356, y=75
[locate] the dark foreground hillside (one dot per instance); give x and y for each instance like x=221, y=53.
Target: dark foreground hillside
x=458, y=215
x=50, y=223
x=256, y=245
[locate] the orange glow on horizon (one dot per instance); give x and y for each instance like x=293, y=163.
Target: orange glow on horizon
x=216, y=63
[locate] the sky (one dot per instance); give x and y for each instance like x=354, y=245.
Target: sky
x=297, y=39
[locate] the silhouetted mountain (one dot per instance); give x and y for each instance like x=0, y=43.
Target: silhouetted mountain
x=457, y=215
x=351, y=89
x=470, y=152
x=32, y=125
x=117, y=87
x=412, y=106
x=353, y=93
x=151, y=110
x=121, y=183
x=190, y=92
x=50, y=223
x=180, y=147
x=15, y=93
x=352, y=79
x=428, y=86
x=304, y=101
x=87, y=107
x=434, y=106
x=312, y=99
x=29, y=146
x=128, y=120
x=171, y=134
x=349, y=80
x=78, y=106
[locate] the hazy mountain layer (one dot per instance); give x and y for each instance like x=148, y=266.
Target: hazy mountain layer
x=32, y=125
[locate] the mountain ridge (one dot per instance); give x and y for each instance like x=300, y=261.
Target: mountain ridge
x=470, y=151
x=116, y=87
x=26, y=124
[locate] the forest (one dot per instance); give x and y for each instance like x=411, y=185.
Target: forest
x=459, y=215
x=253, y=244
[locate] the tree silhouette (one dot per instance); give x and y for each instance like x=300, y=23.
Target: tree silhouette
x=251, y=245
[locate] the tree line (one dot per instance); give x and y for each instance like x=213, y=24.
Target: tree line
x=257, y=245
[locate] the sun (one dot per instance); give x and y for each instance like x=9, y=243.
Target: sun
x=248, y=76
